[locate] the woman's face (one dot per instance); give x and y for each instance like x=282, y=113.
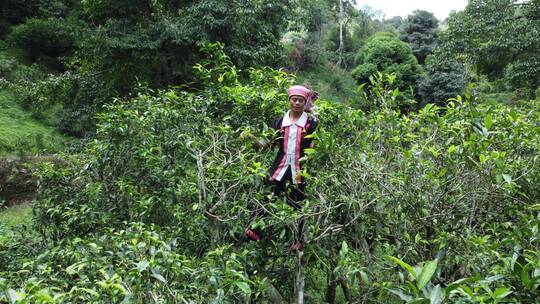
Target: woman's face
x=297, y=104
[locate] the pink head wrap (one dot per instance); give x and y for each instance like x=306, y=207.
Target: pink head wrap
x=309, y=95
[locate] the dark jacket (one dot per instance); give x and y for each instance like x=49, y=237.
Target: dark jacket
x=280, y=131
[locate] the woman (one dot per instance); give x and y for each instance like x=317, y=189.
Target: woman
x=284, y=174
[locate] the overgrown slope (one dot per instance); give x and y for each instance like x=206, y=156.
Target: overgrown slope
x=20, y=133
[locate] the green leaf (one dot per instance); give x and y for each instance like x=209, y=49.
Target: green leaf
x=494, y=278
x=12, y=296
x=360, y=87
x=44, y=297
x=243, y=286
x=501, y=293
x=427, y=272
x=456, y=284
x=400, y=294
x=344, y=249
x=88, y=291
x=365, y=278
x=159, y=277
x=436, y=296
x=142, y=265
x=488, y=122
x=406, y=266
x=482, y=158
x=467, y=291
x=524, y=275
x=309, y=151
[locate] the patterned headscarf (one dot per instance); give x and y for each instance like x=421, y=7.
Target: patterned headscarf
x=309, y=95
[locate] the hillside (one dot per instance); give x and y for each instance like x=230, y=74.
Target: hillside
x=20, y=133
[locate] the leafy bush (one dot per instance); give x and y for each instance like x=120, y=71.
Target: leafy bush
x=419, y=29
x=38, y=37
x=177, y=122
x=450, y=184
x=330, y=81
x=498, y=39
x=67, y=101
x=444, y=79
x=137, y=263
x=385, y=53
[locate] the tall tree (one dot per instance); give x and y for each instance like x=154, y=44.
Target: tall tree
x=500, y=38
x=395, y=21
x=420, y=30
x=384, y=52
x=444, y=79
x=344, y=10
x=162, y=37
x=341, y=44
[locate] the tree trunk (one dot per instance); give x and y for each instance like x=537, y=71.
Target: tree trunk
x=341, y=42
x=346, y=290
x=299, y=279
x=273, y=294
x=331, y=291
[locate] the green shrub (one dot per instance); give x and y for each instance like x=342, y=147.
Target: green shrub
x=68, y=101
x=129, y=180
x=449, y=184
x=333, y=83
x=385, y=53
x=444, y=80
x=137, y=264
x=43, y=37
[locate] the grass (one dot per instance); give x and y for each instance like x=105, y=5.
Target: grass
x=21, y=133
x=16, y=215
x=17, y=237
x=331, y=82
x=11, y=218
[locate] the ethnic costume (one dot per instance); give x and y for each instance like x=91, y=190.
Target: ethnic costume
x=292, y=141
x=284, y=174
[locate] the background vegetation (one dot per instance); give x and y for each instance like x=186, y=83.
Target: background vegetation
x=124, y=118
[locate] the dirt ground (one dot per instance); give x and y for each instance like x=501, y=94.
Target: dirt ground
x=17, y=183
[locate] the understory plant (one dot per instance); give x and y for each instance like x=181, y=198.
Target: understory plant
x=155, y=208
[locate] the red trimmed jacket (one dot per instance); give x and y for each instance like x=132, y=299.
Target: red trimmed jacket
x=292, y=142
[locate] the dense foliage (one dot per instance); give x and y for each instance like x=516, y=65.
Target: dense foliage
x=100, y=50
x=500, y=39
x=155, y=207
x=80, y=55
x=420, y=30
x=445, y=78
x=384, y=52
x=421, y=187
